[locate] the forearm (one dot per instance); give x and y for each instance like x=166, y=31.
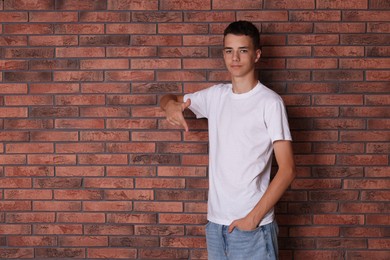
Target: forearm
x=276, y=189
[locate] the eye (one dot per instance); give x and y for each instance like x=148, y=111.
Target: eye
x=243, y=50
x=227, y=51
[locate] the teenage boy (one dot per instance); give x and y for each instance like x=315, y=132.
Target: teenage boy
x=247, y=124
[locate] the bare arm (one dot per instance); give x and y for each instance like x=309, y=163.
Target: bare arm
x=283, y=178
x=173, y=107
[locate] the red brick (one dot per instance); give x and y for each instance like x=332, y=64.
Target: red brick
x=182, y=52
x=79, y=123
x=339, y=219
x=131, y=218
x=354, y=207
x=109, y=183
x=318, y=231
x=158, y=206
x=366, y=16
x=131, y=51
x=81, y=217
x=338, y=148
x=163, y=253
x=182, y=171
x=378, y=27
x=54, y=64
x=375, y=195
x=17, y=252
x=78, y=194
x=108, y=229
x=29, y=5
x=79, y=29
x=131, y=171
x=105, y=112
x=79, y=170
x=378, y=75
x=202, y=40
x=367, y=254
x=107, y=206
x=181, y=75
x=156, y=136
x=360, y=231
x=318, y=39
x=78, y=76
x=53, y=17
x=365, y=112
x=54, y=136
x=162, y=230
x=30, y=148
x=263, y=16
x=28, y=194
x=60, y=252
x=104, y=136
x=30, y=217
x=362, y=160
x=340, y=4
x=13, y=17
x=378, y=219
x=86, y=16
x=12, y=159
x=129, y=195
x=184, y=242
x=182, y=195
x=159, y=40
x=30, y=171
x=364, y=64
x=56, y=206
x=133, y=75
x=31, y=241
x=157, y=183
x=132, y=5
x=377, y=171
x=30, y=76
x=105, y=88
x=185, y=5
x=315, y=16
x=15, y=206
x=8, y=112
x=286, y=51
x=113, y=253
x=13, y=65
x=341, y=75
x=104, y=64
x=84, y=5
x=13, y=41
x=130, y=28
x=319, y=63
x=83, y=241
x=131, y=124
x=335, y=51
x=379, y=243
x=15, y=229
x=378, y=148
x=364, y=39
x=103, y=159
x=201, y=16
x=318, y=254
x=378, y=51
x=51, y=159
x=43, y=40
x=28, y=29
x=339, y=28
x=379, y=4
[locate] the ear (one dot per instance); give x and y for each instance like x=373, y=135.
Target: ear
x=258, y=54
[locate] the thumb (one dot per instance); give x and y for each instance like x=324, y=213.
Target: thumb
x=186, y=104
x=231, y=227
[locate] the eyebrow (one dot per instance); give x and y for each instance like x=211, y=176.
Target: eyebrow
x=238, y=48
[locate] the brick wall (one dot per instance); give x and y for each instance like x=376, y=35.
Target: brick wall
x=90, y=169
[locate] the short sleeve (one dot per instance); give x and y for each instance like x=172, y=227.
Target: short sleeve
x=200, y=102
x=276, y=121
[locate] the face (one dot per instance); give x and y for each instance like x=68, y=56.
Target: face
x=240, y=55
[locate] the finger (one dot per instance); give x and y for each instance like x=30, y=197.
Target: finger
x=186, y=104
x=184, y=124
x=231, y=227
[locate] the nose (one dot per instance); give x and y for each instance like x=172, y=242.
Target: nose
x=236, y=56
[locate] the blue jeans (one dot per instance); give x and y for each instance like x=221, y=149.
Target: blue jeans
x=258, y=244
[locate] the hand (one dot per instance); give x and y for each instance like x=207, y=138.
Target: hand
x=244, y=224
x=174, y=113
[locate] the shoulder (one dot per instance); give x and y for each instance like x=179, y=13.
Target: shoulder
x=269, y=96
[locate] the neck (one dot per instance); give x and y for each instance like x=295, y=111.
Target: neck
x=242, y=85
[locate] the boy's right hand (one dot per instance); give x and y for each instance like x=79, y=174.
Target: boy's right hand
x=174, y=113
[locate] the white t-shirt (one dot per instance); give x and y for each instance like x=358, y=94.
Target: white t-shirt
x=242, y=128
